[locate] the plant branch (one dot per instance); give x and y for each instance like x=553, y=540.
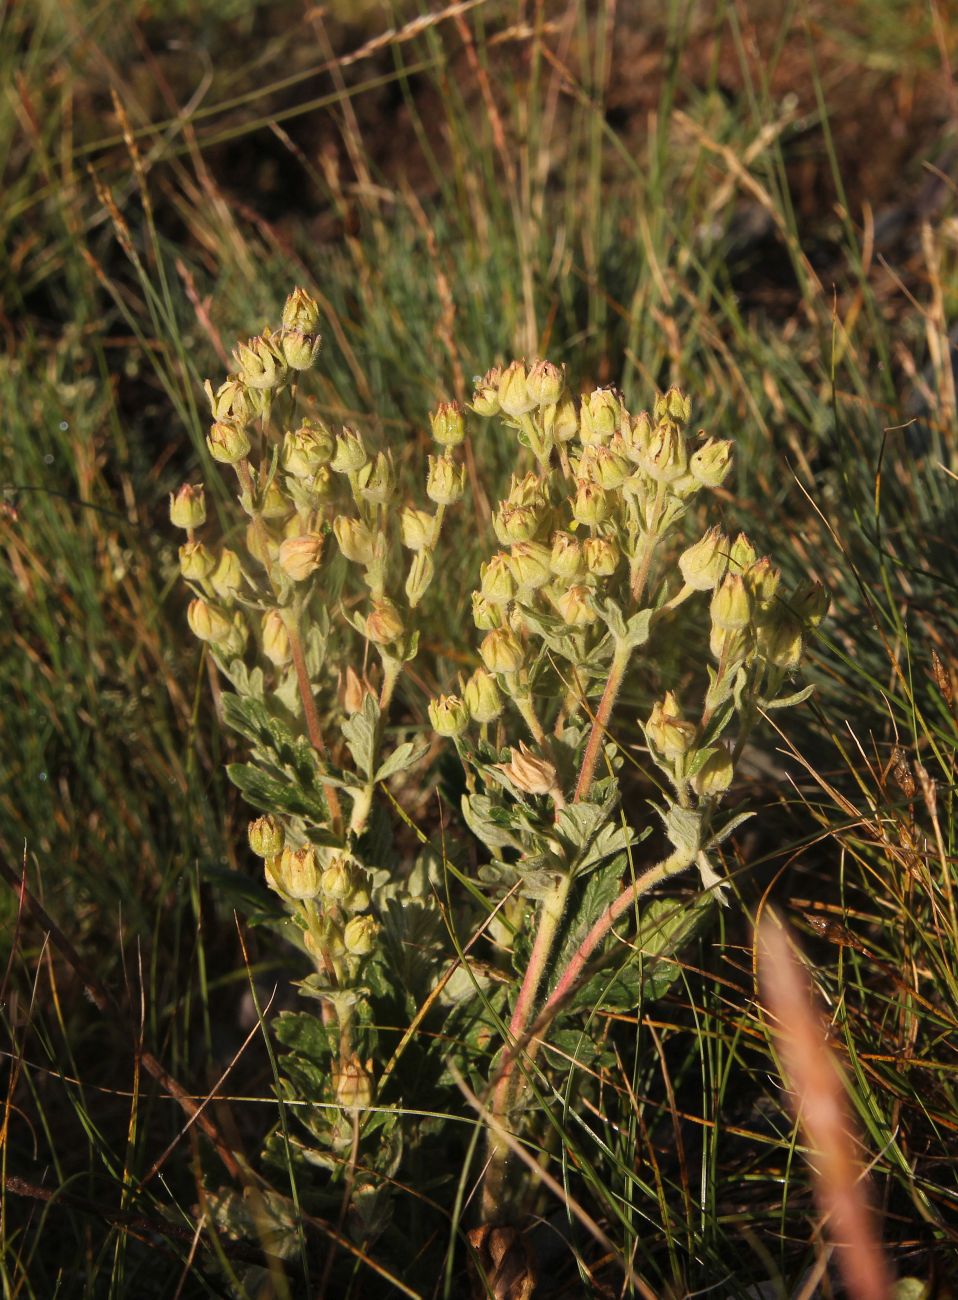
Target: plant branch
x=600, y=722
x=313, y=729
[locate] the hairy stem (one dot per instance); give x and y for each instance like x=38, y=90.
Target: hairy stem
x=670, y=866
x=600, y=722
x=313, y=729
x=506, y=1089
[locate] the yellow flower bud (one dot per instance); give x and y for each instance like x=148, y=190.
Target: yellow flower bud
x=529, y=562
x=446, y=480
x=710, y=464
x=275, y=636
x=600, y=416
x=485, y=399
x=482, y=696
x=667, y=732
x=485, y=615
x=781, y=641
x=384, y=625
x=715, y=775
x=611, y=470
x=565, y=424
x=376, y=480
x=566, y=559
x=298, y=348
x=673, y=405
x=809, y=602
x=665, y=459
x=266, y=837
x=501, y=652
x=448, y=426
x=602, y=556
x=418, y=528
x=592, y=504
x=545, y=383
x=448, y=715
x=356, y=541
x=703, y=565
x=350, y=454
x=207, y=623
x=227, y=577
x=513, y=523
x=257, y=363
x=301, y=556
x=188, y=506
x=742, y=554
x=514, y=396
x=498, y=584
x=297, y=872
x=575, y=606
x=196, y=562
x=301, y=312
x=307, y=449
x=354, y=691
x=359, y=936
x=230, y=401
x=731, y=608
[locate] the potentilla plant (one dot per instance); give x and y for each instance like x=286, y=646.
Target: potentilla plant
x=312, y=614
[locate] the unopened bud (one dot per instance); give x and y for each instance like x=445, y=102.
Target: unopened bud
x=448, y=715
x=731, y=608
x=266, y=836
x=762, y=580
x=355, y=691
x=359, y=936
x=809, y=602
x=356, y=541
x=485, y=614
x=600, y=416
x=514, y=396
x=611, y=470
x=667, y=731
x=274, y=503
x=710, y=464
x=257, y=363
x=637, y=436
x=196, y=562
x=703, y=565
x=352, y=1082
x=482, y=696
x=346, y=884
x=418, y=528
x=188, y=506
x=275, y=636
x=299, y=349
x=230, y=401
x=782, y=641
x=575, y=606
x=376, y=481
x=565, y=424
x=673, y=405
x=715, y=775
x=420, y=576
x=592, y=504
x=300, y=556
x=307, y=449
x=446, y=481
x=501, y=652
x=742, y=554
x=350, y=454
x=665, y=459
x=498, y=584
x=207, y=623
x=545, y=383
x=529, y=562
x=530, y=773
x=602, y=556
x=566, y=559
x=301, y=312
x=448, y=426
x=384, y=625
x=485, y=399
x=227, y=577
x=298, y=873
x=516, y=523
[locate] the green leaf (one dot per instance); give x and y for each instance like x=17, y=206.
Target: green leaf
x=684, y=829
x=787, y=701
x=552, y=630
x=719, y=837
x=493, y=824
x=271, y=794
x=602, y=888
x=638, y=628
x=403, y=757
x=360, y=734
